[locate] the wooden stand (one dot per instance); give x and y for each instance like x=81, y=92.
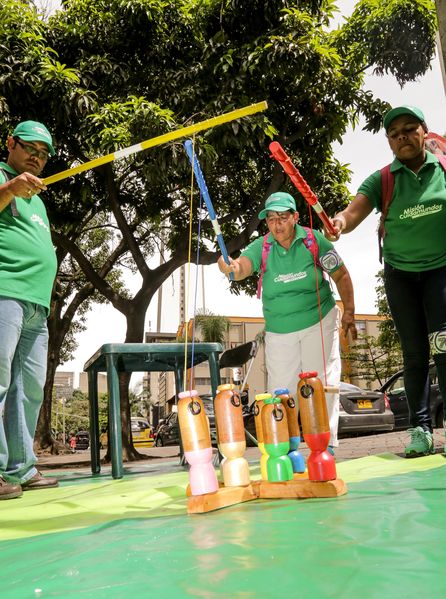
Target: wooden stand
x=299, y=488
x=224, y=497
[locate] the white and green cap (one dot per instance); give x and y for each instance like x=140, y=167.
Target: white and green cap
x=278, y=202
x=399, y=111
x=34, y=131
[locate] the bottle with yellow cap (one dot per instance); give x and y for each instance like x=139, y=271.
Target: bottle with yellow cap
x=196, y=439
x=258, y=406
x=315, y=426
x=297, y=459
x=276, y=441
x=231, y=436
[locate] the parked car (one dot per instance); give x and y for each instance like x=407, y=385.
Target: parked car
x=142, y=433
x=396, y=395
x=363, y=411
x=168, y=433
x=82, y=440
x=360, y=411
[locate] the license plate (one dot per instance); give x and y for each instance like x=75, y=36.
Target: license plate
x=364, y=404
x=136, y=435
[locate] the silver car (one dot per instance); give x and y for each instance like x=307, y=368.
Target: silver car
x=362, y=411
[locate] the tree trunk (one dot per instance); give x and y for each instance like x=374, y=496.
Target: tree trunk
x=58, y=328
x=43, y=438
x=135, y=334
x=441, y=40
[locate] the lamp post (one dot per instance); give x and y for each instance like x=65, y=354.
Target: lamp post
x=63, y=400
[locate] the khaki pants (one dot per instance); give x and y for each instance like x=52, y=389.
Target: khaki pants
x=288, y=354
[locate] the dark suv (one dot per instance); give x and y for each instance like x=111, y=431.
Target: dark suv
x=168, y=432
x=394, y=390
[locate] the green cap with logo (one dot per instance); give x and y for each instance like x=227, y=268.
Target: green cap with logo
x=278, y=202
x=34, y=131
x=399, y=111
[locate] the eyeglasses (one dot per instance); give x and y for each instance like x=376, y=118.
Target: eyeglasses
x=278, y=218
x=31, y=150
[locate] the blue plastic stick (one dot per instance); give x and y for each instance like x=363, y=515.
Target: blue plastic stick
x=207, y=200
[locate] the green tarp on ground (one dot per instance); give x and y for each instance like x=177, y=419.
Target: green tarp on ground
x=111, y=539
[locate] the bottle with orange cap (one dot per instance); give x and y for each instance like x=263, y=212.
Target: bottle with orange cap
x=315, y=426
x=297, y=459
x=231, y=436
x=258, y=406
x=196, y=439
x=276, y=440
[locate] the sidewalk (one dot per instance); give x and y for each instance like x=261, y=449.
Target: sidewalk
x=350, y=448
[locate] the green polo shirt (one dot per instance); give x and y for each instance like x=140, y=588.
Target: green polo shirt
x=290, y=299
x=28, y=262
x=415, y=226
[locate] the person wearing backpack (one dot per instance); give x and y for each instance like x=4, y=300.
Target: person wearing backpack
x=410, y=193
x=301, y=316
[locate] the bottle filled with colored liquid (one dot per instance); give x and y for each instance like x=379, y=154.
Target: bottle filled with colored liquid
x=276, y=440
x=231, y=436
x=297, y=459
x=258, y=406
x=196, y=439
x=315, y=426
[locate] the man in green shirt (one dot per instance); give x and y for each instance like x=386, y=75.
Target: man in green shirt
x=27, y=270
x=301, y=316
x=414, y=250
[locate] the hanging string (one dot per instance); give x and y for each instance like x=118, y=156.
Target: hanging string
x=319, y=308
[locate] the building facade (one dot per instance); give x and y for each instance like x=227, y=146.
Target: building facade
x=158, y=389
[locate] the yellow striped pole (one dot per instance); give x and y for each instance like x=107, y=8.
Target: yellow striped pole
x=161, y=139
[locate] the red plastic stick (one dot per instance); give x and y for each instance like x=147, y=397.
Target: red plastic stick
x=279, y=154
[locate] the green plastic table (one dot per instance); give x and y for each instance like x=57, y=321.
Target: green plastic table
x=114, y=358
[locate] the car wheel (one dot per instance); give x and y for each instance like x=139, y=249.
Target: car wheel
x=159, y=442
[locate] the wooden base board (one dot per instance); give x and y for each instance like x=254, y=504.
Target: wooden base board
x=261, y=489
x=224, y=497
x=299, y=489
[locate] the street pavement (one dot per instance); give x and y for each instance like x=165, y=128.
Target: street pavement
x=349, y=448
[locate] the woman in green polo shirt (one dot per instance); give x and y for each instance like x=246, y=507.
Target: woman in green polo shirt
x=414, y=250
x=297, y=301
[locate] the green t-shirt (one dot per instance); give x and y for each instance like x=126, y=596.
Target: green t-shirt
x=290, y=300
x=415, y=226
x=28, y=262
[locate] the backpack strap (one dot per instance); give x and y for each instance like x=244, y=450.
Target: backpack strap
x=266, y=247
x=387, y=185
x=310, y=243
x=12, y=205
x=442, y=160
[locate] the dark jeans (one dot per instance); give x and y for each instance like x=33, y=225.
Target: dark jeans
x=417, y=301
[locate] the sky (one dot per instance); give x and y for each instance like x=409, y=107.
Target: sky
x=364, y=152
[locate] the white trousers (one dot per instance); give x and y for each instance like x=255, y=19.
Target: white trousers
x=288, y=354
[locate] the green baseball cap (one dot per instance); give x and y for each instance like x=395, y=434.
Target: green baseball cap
x=34, y=131
x=278, y=202
x=399, y=111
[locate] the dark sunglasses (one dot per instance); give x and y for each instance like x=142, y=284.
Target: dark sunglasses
x=31, y=150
